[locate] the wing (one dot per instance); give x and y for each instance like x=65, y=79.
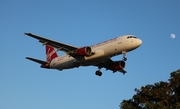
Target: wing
x=108, y=66
x=58, y=45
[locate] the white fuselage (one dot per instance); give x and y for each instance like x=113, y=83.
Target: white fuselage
x=103, y=51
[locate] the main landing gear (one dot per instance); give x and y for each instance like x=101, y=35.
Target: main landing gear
x=124, y=56
x=98, y=73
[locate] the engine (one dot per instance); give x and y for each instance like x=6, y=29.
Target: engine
x=84, y=51
x=118, y=65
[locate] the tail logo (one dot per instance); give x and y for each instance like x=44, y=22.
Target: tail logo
x=50, y=54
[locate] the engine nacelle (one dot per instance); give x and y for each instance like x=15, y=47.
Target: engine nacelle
x=84, y=51
x=118, y=65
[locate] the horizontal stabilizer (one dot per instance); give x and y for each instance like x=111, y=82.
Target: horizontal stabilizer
x=37, y=60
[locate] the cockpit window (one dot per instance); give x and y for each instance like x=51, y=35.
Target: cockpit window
x=131, y=37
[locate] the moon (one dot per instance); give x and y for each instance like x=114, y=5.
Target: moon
x=173, y=35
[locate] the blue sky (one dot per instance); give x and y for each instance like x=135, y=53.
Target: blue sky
x=23, y=85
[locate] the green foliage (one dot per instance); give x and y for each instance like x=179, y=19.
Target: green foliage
x=161, y=95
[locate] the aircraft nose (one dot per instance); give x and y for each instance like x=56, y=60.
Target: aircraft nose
x=139, y=42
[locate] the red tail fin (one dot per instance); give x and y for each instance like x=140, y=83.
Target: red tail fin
x=50, y=53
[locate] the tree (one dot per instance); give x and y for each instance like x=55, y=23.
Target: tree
x=161, y=95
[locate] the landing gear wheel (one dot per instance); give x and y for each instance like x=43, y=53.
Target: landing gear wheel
x=124, y=56
x=99, y=73
x=124, y=59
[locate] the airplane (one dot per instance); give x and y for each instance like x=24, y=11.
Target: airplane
x=98, y=55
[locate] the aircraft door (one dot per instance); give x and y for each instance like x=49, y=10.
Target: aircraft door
x=119, y=40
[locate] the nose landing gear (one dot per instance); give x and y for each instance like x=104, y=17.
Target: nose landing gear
x=124, y=56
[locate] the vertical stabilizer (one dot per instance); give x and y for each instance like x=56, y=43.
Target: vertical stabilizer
x=50, y=53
